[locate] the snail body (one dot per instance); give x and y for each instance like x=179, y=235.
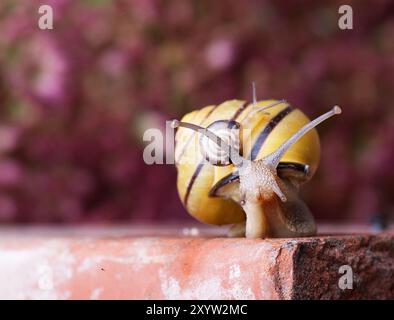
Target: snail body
x=243, y=164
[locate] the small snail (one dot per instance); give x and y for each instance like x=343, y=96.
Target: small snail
x=248, y=180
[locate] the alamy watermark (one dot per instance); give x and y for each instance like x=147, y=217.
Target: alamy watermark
x=345, y=21
x=346, y=280
x=192, y=146
x=45, y=21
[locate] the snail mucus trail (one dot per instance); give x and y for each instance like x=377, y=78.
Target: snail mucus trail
x=259, y=187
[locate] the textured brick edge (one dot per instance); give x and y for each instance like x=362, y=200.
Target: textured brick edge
x=371, y=258
x=115, y=265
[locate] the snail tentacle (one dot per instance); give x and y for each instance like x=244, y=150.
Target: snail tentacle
x=260, y=109
x=274, y=158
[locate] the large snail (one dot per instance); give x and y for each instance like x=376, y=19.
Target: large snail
x=249, y=180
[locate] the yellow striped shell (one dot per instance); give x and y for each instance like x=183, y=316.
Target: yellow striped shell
x=198, y=181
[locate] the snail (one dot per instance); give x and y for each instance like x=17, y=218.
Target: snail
x=250, y=181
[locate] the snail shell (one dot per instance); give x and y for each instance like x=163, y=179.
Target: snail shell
x=201, y=184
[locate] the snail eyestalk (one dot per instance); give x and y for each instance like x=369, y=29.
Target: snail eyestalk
x=259, y=109
x=235, y=157
x=254, y=94
x=175, y=124
x=274, y=158
x=278, y=191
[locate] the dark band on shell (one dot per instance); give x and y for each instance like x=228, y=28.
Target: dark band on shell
x=297, y=168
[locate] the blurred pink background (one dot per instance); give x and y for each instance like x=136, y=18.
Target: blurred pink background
x=75, y=101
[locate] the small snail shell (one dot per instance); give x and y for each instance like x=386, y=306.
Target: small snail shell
x=250, y=183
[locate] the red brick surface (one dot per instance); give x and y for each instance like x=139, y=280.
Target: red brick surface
x=176, y=263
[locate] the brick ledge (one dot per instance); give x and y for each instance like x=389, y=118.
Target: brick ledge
x=121, y=263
